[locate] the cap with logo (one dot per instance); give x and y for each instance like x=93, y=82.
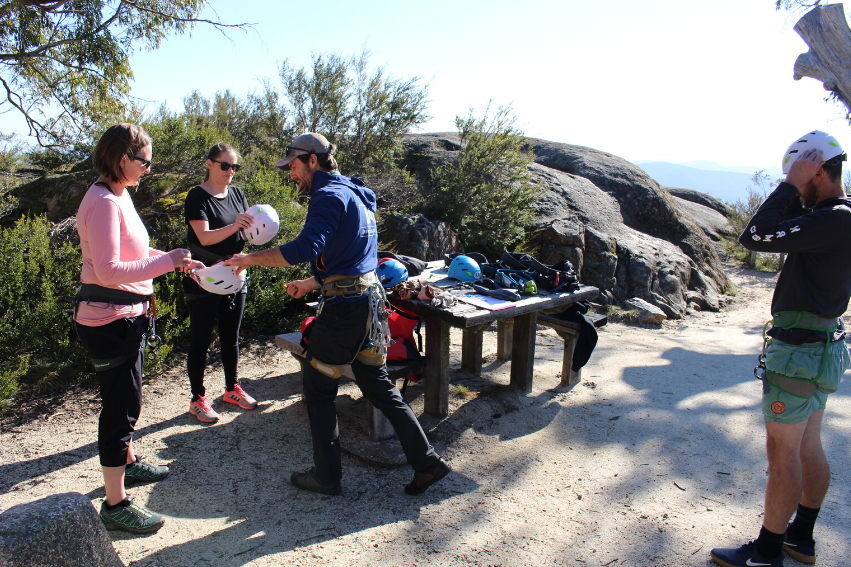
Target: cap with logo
x=310, y=143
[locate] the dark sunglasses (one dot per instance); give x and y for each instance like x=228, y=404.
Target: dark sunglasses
x=145, y=162
x=287, y=151
x=226, y=166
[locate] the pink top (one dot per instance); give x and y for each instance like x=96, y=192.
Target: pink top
x=116, y=253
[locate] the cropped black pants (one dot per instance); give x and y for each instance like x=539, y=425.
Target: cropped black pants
x=120, y=384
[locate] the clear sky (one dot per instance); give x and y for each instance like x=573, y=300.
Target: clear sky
x=668, y=80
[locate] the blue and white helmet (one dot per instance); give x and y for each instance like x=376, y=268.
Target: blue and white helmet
x=465, y=269
x=815, y=140
x=391, y=272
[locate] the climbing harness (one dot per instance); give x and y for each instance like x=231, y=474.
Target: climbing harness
x=93, y=293
x=377, y=331
x=799, y=387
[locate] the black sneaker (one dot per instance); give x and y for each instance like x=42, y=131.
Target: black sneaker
x=308, y=481
x=803, y=550
x=130, y=518
x=142, y=471
x=425, y=478
x=745, y=556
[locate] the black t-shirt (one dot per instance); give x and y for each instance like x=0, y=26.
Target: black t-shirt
x=218, y=212
x=817, y=274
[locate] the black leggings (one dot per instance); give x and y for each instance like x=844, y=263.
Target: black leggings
x=204, y=311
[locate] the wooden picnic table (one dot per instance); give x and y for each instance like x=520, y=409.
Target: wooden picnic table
x=516, y=324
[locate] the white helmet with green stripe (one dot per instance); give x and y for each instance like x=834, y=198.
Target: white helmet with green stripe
x=815, y=140
x=219, y=279
x=264, y=224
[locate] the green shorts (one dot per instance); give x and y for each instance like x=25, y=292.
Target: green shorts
x=803, y=362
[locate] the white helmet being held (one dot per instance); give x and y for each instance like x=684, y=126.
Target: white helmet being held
x=264, y=226
x=815, y=140
x=219, y=279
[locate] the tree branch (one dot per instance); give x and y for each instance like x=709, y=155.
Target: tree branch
x=186, y=20
x=35, y=127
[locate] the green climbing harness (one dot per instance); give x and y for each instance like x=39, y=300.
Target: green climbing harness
x=800, y=387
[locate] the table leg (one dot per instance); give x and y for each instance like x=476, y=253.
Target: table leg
x=436, y=372
x=471, y=350
x=504, y=334
x=378, y=427
x=568, y=376
x=523, y=351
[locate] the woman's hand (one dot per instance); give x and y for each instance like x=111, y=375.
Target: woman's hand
x=194, y=265
x=299, y=288
x=243, y=220
x=181, y=259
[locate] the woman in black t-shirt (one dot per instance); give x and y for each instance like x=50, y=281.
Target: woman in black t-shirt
x=215, y=213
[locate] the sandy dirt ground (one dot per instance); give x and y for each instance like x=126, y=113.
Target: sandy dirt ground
x=653, y=459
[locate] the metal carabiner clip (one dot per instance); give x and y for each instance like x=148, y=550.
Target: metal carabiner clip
x=759, y=370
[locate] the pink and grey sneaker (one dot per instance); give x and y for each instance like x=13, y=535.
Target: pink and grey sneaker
x=239, y=397
x=202, y=410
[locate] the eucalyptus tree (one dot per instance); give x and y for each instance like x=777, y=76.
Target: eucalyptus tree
x=65, y=64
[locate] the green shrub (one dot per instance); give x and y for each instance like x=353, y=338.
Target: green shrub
x=33, y=324
x=486, y=193
x=740, y=215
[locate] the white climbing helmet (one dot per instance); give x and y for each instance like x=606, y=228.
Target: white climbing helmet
x=815, y=140
x=219, y=279
x=265, y=225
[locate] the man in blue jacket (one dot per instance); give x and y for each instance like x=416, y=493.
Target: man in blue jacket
x=805, y=354
x=340, y=240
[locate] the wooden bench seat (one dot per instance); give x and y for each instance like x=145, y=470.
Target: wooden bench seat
x=569, y=332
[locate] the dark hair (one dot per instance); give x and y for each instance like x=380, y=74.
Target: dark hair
x=123, y=139
x=833, y=168
x=216, y=151
x=326, y=162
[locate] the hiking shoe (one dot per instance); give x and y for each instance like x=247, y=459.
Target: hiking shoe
x=142, y=471
x=239, y=397
x=803, y=550
x=130, y=517
x=308, y=481
x=202, y=410
x=745, y=556
x=425, y=478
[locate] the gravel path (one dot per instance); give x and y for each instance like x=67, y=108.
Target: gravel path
x=653, y=459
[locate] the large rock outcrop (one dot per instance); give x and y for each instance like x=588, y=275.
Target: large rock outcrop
x=415, y=235
x=713, y=224
x=623, y=232
x=698, y=197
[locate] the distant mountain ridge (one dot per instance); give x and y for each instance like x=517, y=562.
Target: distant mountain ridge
x=727, y=184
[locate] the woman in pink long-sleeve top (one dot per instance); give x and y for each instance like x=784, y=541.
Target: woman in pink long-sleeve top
x=111, y=318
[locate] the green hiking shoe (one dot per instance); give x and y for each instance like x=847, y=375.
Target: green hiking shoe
x=142, y=471
x=130, y=517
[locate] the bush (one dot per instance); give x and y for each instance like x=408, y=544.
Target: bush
x=740, y=215
x=486, y=193
x=34, y=328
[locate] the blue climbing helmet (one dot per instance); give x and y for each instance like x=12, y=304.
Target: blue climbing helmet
x=465, y=269
x=391, y=272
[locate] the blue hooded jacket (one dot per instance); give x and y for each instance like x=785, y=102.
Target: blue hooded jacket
x=340, y=236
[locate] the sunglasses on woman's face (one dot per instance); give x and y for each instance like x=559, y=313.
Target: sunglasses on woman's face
x=145, y=162
x=226, y=166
